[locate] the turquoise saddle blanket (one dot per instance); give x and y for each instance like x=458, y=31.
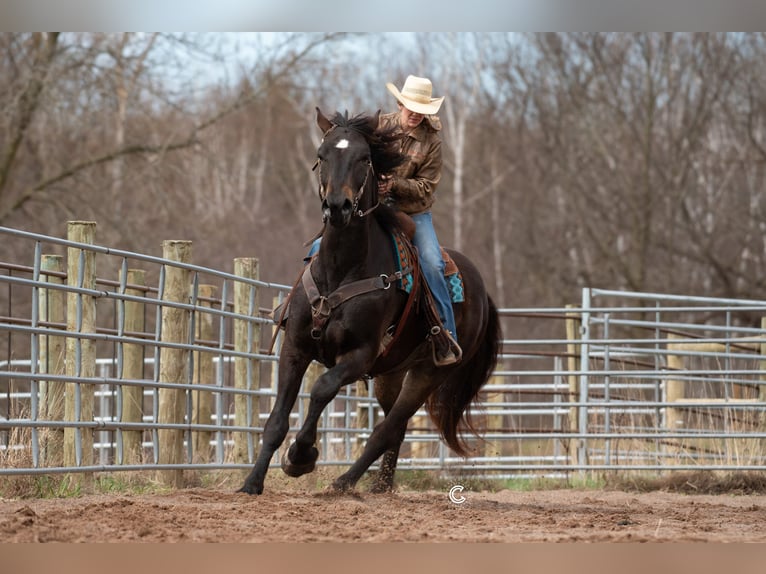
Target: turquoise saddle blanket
x=451, y=272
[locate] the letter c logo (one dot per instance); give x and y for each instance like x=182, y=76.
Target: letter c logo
x=454, y=492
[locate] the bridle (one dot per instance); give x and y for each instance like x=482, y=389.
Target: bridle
x=357, y=196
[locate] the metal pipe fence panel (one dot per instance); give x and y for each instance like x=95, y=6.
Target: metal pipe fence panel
x=620, y=382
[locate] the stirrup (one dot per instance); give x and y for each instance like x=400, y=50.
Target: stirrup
x=453, y=353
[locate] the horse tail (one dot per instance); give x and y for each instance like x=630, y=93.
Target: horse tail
x=449, y=405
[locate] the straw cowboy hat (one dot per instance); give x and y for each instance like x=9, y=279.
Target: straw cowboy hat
x=416, y=96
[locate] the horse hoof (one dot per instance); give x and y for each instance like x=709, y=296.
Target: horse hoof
x=299, y=469
x=251, y=489
x=381, y=488
x=340, y=486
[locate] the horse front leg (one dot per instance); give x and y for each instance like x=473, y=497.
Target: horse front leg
x=302, y=455
x=278, y=424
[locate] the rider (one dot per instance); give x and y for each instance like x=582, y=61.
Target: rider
x=411, y=188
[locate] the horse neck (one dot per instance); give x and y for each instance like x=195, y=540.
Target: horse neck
x=351, y=253
x=348, y=253
x=344, y=252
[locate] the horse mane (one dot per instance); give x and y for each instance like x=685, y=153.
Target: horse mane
x=384, y=151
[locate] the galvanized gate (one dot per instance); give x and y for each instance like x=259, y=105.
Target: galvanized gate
x=154, y=363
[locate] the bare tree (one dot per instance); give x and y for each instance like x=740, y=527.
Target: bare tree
x=631, y=161
x=46, y=60
x=27, y=63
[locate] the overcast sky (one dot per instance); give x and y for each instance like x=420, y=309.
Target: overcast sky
x=383, y=15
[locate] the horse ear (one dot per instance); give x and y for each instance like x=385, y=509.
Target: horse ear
x=374, y=121
x=323, y=123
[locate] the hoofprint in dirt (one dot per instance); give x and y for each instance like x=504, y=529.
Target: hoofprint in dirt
x=200, y=515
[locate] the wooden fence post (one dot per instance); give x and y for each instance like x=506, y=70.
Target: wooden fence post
x=133, y=366
x=314, y=371
x=494, y=447
x=204, y=373
x=80, y=353
x=174, y=363
x=573, y=321
x=418, y=425
x=52, y=309
x=674, y=388
x=762, y=390
x=674, y=391
x=247, y=337
x=273, y=336
x=362, y=390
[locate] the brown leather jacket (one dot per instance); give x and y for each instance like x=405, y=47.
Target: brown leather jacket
x=415, y=180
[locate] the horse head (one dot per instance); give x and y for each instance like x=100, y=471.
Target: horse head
x=347, y=180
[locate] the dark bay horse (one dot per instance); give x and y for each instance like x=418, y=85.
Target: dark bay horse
x=356, y=258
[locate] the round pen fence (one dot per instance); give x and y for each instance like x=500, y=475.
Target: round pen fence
x=116, y=361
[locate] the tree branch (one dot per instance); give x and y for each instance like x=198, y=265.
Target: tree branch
x=190, y=140
x=29, y=101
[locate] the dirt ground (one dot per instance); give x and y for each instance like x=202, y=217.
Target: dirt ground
x=292, y=515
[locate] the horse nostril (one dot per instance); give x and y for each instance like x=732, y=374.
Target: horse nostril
x=341, y=206
x=337, y=209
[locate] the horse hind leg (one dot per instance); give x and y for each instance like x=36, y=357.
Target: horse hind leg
x=387, y=390
x=383, y=481
x=388, y=435
x=385, y=439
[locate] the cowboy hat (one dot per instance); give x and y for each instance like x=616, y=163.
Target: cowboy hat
x=416, y=95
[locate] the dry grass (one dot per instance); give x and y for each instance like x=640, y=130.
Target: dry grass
x=700, y=482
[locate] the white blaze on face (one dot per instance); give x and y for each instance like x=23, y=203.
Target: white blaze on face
x=342, y=144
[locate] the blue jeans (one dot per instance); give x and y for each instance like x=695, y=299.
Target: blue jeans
x=313, y=249
x=431, y=263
